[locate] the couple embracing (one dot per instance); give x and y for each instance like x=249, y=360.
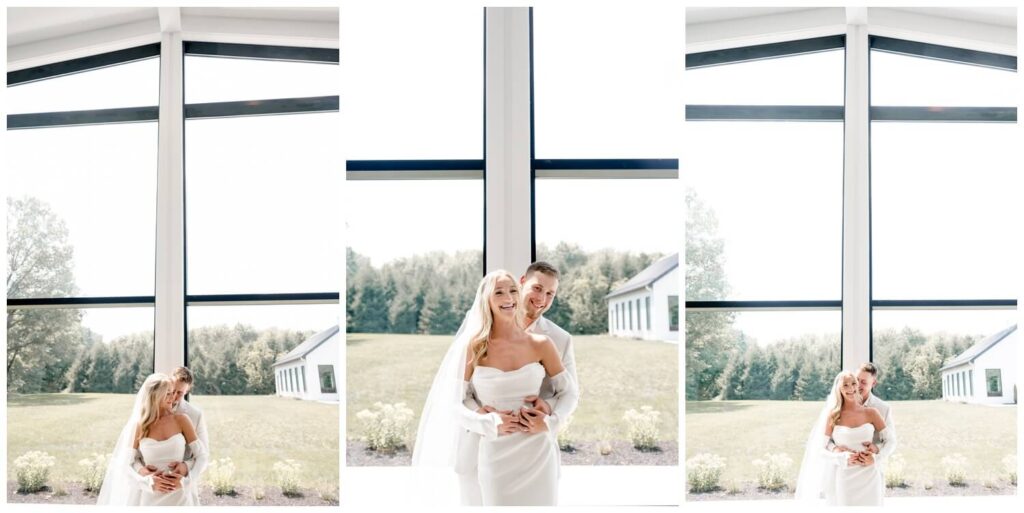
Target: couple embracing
x=849, y=444
x=162, y=449
x=505, y=386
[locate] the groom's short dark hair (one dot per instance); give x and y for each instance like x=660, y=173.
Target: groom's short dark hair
x=183, y=375
x=870, y=369
x=542, y=267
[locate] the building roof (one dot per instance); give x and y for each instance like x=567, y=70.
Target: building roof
x=651, y=274
x=308, y=345
x=972, y=353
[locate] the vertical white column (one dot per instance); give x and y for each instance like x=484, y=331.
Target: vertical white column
x=170, y=220
x=856, y=214
x=507, y=163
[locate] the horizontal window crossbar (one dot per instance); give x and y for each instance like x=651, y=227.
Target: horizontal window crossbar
x=944, y=53
x=606, y=168
x=102, y=60
x=943, y=304
x=465, y=169
x=765, y=51
x=946, y=114
x=79, y=302
x=763, y=305
x=764, y=113
x=265, y=52
x=262, y=299
x=82, y=117
x=262, y=107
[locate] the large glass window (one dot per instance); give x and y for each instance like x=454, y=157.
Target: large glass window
x=81, y=213
x=943, y=147
x=764, y=227
x=263, y=245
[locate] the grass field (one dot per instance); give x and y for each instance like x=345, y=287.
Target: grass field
x=615, y=375
x=741, y=431
x=254, y=431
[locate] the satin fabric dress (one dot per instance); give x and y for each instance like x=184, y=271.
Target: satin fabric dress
x=520, y=469
x=161, y=453
x=857, y=485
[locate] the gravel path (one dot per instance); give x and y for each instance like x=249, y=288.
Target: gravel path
x=977, y=488
x=72, y=493
x=623, y=453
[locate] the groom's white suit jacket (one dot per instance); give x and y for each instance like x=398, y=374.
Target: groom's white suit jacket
x=469, y=439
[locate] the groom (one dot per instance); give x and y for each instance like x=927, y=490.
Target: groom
x=183, y=380
x=537, y=293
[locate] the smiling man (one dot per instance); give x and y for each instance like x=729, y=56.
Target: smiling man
x=538, y=287
x=884, y=442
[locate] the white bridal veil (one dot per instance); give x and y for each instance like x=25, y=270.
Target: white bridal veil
x=121, y=484
x=815, y=470
x=439, y=429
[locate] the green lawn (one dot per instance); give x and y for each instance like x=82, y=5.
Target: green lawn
x=615, y=375
x=741, y=431
x=254, y=431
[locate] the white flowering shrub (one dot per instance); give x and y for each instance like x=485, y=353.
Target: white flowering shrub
x=643, y=427
x=895, y=472
x=771, y=471
x=221, y=475
x=704, y=471
x=1010, y=466
x=93, y=471
x=955, y=468
x=33, y=470
x=386, y=427
x=286, y=475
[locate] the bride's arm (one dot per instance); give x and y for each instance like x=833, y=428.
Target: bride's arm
x=195, y=446
x=469, y=414
x=563, y=384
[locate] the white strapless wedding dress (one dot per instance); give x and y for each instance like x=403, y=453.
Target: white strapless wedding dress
x=857, y=485
x=161, y=453
x=520, y=469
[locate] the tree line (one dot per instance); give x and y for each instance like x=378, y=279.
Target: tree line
x=429, y=293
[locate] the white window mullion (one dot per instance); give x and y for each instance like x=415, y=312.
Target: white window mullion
x=507, y=161
x=169, y=329
x=856, y=203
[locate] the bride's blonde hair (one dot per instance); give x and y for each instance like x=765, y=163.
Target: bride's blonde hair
x=837, y=395
x=478, y=342
x=155, y=390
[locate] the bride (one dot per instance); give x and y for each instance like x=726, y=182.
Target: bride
x=158, y=437
x=835, y=465
x=494, y=358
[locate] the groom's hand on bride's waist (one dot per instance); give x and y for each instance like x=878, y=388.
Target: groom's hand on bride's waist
x=533, y=420
x=538, y=403
x=509, y=420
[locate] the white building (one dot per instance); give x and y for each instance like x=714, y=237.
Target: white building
x=986, y=373
x=647, y=306
x=310, y=370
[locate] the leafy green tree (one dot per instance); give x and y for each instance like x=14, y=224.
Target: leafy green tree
x=41, y=344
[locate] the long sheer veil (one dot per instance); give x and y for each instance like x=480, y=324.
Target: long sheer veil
x=814, y=470
x=438, y=432
x=119, y=487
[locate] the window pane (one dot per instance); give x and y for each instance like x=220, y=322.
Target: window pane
x=914, y=81
x=233, y=350
x=599, y=248
x=218, y=79
x=757, y=365
x=77, y=368
x=415, y=77
x=81, y=204
x=592, y=91
x=810, y=79
x=935, y=368
x=263, y=210
x=944, y=197
x=778, y=235
x=135, y=84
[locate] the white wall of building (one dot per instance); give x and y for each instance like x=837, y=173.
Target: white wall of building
x=634, y=307
x=301, y=378
x=968, y=382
